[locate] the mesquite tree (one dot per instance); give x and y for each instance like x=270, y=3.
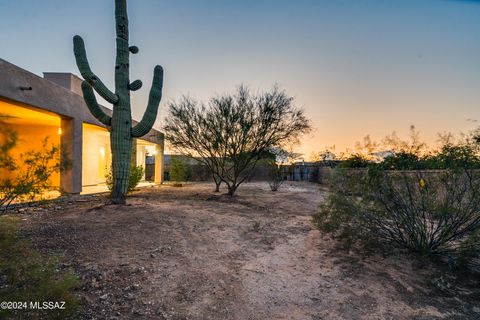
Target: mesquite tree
x=120, y=123
x=233, y=132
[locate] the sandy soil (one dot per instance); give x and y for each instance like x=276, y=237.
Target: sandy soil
x=188, y=253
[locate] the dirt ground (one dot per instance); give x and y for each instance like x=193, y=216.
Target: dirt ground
x=188, y=253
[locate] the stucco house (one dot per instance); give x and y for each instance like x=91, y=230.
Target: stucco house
x=53, y=107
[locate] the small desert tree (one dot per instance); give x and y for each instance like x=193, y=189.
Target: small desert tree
x=28, y=175
x=233, y=132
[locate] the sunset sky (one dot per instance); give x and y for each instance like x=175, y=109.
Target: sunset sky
x=357, y=67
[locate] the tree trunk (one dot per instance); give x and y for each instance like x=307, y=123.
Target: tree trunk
x=218, y=182
x=232, y=189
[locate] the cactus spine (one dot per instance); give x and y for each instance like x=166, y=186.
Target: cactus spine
x=120, y=123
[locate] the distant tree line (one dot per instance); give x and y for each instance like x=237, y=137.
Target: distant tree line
x=412, y=154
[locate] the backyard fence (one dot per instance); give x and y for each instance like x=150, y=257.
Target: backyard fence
x=309, y=172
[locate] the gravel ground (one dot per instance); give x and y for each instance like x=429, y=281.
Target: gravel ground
x=188, y=253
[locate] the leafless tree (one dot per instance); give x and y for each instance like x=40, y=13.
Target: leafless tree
x=233, y=132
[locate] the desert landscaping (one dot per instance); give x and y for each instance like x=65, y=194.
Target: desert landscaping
x=239, y=160
x=189, y=253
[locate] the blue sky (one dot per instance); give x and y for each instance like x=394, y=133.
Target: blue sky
x=357, y=67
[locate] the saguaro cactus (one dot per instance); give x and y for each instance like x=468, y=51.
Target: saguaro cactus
x=120, y=123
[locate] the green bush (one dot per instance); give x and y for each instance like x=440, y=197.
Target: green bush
x=433, y=214
x=402, y=161
x=276, y=177
x=136, y=174
x=179, y=170
x=450, y=156
x=26, y=275
x=461, y=155
x=355, y=161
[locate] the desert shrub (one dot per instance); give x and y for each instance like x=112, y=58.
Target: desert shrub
x=31, y=178
x=402, y=161
x=136, y=174
x=26, y=275
x=276, y=177
x=27, y=176
x=180, y=171
x=433, y=214
x=461, y=155
x=355, y=161
x=275, y=160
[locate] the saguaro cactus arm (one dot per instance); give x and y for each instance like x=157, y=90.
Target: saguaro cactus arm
x=135, y=85
x=133, y=49
x=148, y=119
x=88, y=75
x=92, y=104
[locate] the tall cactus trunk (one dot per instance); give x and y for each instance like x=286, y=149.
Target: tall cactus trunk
x=121, y=147
x=120, y=123
x=120, y=136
